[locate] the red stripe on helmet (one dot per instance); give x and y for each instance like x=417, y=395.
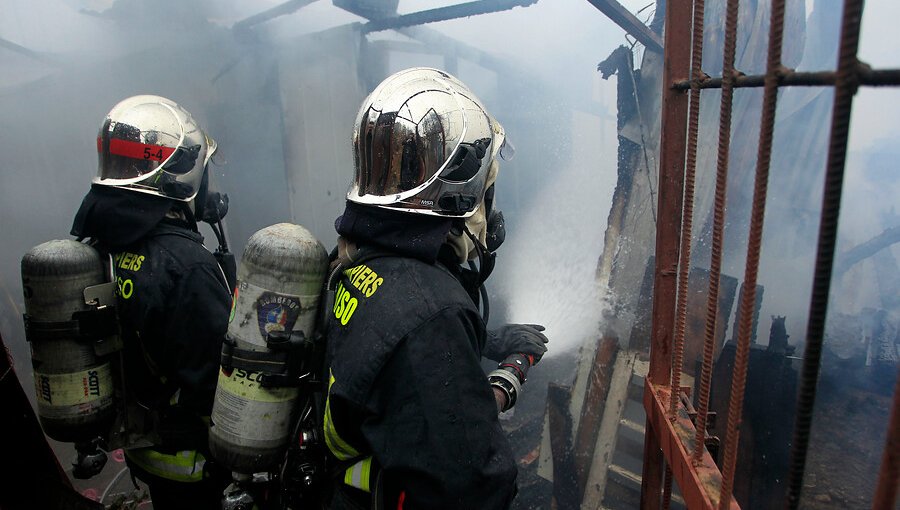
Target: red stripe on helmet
x=137, y=150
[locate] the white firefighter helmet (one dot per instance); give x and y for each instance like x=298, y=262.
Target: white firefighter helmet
x=423, y=143
x=152, y=145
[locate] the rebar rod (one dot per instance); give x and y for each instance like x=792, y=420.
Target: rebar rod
x=687, y=221
x=789, y=78
x=724, y=148
x=889, y=474
x=754, y=245
x=845, y=87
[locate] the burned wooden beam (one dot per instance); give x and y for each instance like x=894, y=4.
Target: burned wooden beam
x=434, y=38
x=592, y=408
x=279, y=10
x=867, y=249
x=22, y=50
x=444, y=13
x=565, y=480
x=629, y=22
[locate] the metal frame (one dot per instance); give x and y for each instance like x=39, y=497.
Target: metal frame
x=671, y=434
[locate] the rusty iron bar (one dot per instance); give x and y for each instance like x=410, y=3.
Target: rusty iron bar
x=676, y=67
x=844, y=90
x=630, y=23
x=699, y=483
x=724, y=149
x=463, y=10
x=889, y=474
x=790, y=78
x=687, y=222
x=754, y=244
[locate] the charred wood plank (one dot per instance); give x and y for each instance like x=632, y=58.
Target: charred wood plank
x=22, y=50
x=867, y=249
x=629, y=22
x=463, y=10
x=279, y=10
x=592, y=408
x=565, y=478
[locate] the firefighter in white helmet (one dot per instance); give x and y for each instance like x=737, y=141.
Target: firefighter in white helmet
x=151, y=190
x=410, y=418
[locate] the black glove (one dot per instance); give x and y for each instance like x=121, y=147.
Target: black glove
x=515, y=339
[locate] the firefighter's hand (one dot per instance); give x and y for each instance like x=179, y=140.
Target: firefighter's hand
x=515, y=339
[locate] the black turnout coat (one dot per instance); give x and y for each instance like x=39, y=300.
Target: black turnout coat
x=173, y=303
x=404, y=341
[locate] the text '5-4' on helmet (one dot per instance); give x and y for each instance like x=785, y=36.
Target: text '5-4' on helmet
x=423, y=143
x=152, y=145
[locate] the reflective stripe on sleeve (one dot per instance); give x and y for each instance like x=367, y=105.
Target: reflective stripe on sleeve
x=338, y=447
x=183, y=466
x=358, y=474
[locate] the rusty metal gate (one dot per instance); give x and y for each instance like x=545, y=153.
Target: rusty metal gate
x=675, y=442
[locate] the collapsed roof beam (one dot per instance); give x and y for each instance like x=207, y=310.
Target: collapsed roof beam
x=274, y=12
x=444, y=13
x=629, y=22
x=435, y=39
x=17, y=48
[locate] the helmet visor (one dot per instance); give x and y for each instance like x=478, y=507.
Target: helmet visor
x=402, y=149
x=127, y=153
x=398, y=153
x=153, y=146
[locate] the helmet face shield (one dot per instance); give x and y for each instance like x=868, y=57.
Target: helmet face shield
x=422, y=143
x=152, y=145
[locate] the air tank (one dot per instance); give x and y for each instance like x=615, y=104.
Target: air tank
x=273, y=317
x=73, y=382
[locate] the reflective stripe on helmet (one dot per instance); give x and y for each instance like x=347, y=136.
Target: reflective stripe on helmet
x=183, y=466
x=358, y=475
x=339, y=448
x=137, y=150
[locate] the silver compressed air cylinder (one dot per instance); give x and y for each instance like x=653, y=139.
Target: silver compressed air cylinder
x=74, y=385
x=279, y=282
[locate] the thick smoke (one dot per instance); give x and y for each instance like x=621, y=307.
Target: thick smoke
x=279, y=98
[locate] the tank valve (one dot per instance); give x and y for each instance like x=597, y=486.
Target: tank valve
x=89, y=459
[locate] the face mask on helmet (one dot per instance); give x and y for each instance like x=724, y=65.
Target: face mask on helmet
x=152, y=145
x=423, y=144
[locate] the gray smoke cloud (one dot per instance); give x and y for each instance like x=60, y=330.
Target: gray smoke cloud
x=280, y=98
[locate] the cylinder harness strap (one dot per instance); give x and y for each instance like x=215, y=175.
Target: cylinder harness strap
x=279, y=365
x=85, y=325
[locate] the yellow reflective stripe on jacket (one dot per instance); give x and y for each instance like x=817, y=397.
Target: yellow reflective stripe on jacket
x=183, y=466
x=339, y=448
x=358, y=474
